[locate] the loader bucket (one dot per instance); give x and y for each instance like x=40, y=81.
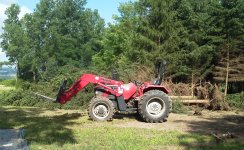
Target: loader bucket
x=61, y=90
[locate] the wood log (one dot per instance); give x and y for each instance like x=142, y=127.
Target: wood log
x=182, y=97
x=195, y=101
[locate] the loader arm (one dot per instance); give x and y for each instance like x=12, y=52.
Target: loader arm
x=64, y=96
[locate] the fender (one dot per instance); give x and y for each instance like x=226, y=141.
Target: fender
x=156, y=87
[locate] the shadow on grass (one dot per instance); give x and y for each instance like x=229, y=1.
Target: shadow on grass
x=43, y=129
x=135, y=116
x=233, y=124
x=228, y=123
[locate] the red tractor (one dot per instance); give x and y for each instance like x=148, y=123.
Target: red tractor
x=150, y=100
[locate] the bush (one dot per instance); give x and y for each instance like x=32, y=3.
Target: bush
x=80, y=101
x=178, y=107
x=18, y=97
x=9, y=97
x=236, y=100
x=48, y=85
x=25, y=96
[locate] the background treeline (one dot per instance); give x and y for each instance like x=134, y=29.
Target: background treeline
x=201, y=40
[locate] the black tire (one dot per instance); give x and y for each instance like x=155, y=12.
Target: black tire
x=101, y=109
x=154, y=106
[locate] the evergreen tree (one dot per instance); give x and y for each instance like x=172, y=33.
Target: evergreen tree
x=199, y=52
x=228, y=19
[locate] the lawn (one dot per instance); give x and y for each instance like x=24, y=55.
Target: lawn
x=6, y=88
x=71, y=129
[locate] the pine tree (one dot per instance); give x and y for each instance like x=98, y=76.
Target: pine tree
x=228, y=18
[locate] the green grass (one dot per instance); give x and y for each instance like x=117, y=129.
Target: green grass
x=8, y=82
x=7, y=85
x=68, y=129
x=6, y=88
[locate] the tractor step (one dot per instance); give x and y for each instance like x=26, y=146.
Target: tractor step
x=128, y=111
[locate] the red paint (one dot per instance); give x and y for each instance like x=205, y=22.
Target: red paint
x=113, y=87
x=129, y=90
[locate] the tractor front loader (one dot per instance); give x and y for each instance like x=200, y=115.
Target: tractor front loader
x=150, y=100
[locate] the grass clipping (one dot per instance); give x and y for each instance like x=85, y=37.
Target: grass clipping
x=217, y=100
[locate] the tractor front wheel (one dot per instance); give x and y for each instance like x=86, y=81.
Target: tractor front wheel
x=154, y=106
x=101, y=109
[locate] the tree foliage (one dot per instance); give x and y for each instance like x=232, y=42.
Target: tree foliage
x=228, y=18
x=191, y=35
x=58, y=33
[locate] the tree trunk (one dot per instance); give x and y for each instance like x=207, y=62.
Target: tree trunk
x=227, y=68
x=17, y=71
x=34, y=76
x=192, y=84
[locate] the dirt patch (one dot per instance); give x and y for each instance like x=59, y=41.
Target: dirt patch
x=210, y=121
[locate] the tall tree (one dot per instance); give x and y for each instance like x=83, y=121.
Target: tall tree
x=14, y=38
x=145, y=31
x=228, y=19
x=117, y=40
x=57, y=33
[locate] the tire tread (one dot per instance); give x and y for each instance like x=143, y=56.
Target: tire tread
x=143, y=100
x=95, y=100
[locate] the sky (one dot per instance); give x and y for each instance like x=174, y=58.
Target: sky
x=106, y=9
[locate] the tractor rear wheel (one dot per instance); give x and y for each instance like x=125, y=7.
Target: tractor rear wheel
x=101, y=109
x=154, y=106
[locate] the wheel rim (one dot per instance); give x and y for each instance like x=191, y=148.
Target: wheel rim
x=155, y=107
x=100, y=110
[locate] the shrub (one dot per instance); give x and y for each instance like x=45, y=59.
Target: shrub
x=9, y=97
x=178, y=107
x=236, y=100
x=25, y=96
